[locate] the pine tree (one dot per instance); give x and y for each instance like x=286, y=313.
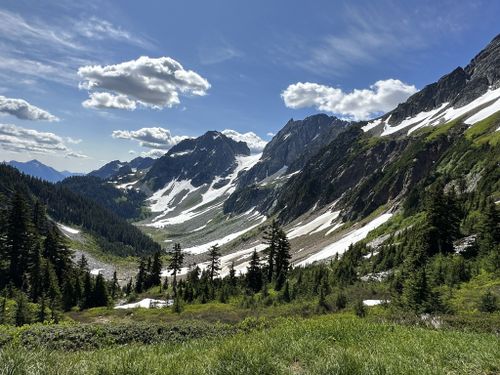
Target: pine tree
x=489, y=229
x=282, y=259
x=175, y=265
x=41, y=316
x=22, y=313
x=254, y=273
x=141, y=276
x=88, y=289
x=488, y=303
x=286, y=293
x=214, y=262
x=57, y=253
x=271, y=240
x=40, y=217
x=155, y=274
x=83, y=264
x=114, y=285
x=19, y=240
x=51, y=289
x=100, y=292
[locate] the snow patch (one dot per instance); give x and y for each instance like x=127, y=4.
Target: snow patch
x=147, y=303
x=319, y=224
x=66, y=229
x=342, y=245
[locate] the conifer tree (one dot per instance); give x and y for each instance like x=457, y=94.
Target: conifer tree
x=57, y=253
x=271, y=235
x=88, y=288
x=19, y=240
x=214, y=262
x=175, y=265
x=254, y=273
x=22, y=313
x=282, y=259
x=155, y=274
x=141, y=276
x=100, y=292
x=114, y=285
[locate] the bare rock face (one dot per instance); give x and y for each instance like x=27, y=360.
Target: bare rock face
x=293, y=145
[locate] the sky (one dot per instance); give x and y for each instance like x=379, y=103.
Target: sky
x=84, y=83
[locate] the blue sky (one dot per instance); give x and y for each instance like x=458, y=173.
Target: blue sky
x=71, y=75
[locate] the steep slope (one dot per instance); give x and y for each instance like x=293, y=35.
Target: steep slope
x=196, y=159
x=283, y=157
x=126, y=203
x=114, y=234
x=38, y=169
x=471, y=93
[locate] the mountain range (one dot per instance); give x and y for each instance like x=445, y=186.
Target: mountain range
x=328, y=181
x=37, y=169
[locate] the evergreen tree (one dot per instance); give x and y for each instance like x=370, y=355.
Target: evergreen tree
x=22, y=313
x=40, y=217
x=83, y=264
x=114, y=285
x=175, y=265
x=271, y=235
x=282, y=259
x=19, y=240
x=57, y=253
x=100, y=292
x=443, y=219
x=156, y=266
x=88, y=291
x=286, y=293
x=214, y=262
x=141, y=276
x=51, y=289
x=254, y=273
x=489, y=229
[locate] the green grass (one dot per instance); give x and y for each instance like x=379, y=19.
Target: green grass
x=485, y=131
x=331, y=344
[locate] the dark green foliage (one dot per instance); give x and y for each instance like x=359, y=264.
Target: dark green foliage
x=93, y=336
x=113, y=232
x=488, y=303
x=254, y=273
x=125, y=203
x=23, y=314
x=360, y=309
x=175, y=265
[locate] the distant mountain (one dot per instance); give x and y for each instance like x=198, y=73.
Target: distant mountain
x=199, y=160
x=285, y=155
x=37, y=169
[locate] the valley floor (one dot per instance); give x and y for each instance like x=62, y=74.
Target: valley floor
x=327, y=344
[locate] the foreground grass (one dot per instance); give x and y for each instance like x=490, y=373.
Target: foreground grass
x=331, y=344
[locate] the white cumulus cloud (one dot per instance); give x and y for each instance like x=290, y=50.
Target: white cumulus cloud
x=108, y=100
x=18, y=139
x=362, y=104
x=154, y=138
x=24, y=110
x=155, y=154
x=254, y=142
x=146, y=81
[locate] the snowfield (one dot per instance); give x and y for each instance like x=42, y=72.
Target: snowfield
x=342, y=245
x=443, y=114
x=318, y=224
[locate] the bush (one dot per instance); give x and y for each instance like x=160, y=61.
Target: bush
x=359, y=309
x=488, y=303
x=94, y=336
